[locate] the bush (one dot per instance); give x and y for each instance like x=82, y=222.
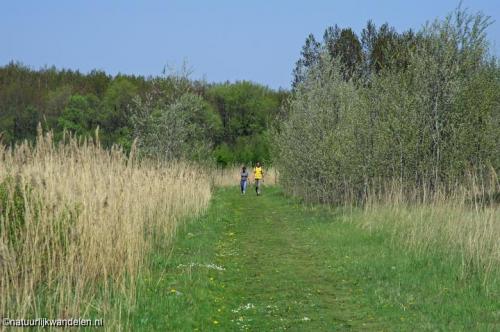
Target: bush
x=427, y=124
x=173, y=130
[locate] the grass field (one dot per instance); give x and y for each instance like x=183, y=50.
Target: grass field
x=268, y=263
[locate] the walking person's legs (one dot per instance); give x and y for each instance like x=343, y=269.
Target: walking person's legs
x=257, y=186
x=243, y=186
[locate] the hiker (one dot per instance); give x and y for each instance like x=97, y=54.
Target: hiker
x=244, y=179
x=258, y=174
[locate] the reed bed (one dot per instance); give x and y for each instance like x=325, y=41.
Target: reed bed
x=463, y=221
x=77, y=222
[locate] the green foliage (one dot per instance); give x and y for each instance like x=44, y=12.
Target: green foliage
x=114, y=117
x=233, y=116
x=246, y=150
x=359, y=57
x=344, y=45
x=171, y=130
x=427, y=119
x=247, y=111
x=223, y=155
x=25, y=123
x=80, y=115
x=309, y=57
x=312, y=146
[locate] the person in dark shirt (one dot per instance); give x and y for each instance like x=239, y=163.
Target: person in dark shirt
x=244, y=180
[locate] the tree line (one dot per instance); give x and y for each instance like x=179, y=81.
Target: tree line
x=171, y=115
x=421, y=109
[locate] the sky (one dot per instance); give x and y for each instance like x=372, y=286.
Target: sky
x=220, y=40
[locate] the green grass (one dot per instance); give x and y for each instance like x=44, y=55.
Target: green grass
x=291, y=267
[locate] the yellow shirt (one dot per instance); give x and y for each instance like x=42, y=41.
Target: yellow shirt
x=258, y=172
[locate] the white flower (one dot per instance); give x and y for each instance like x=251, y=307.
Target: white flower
x=243, y=307
x=208, y=266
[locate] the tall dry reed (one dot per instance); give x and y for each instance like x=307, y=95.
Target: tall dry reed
x=77, y=221
x=463, y=220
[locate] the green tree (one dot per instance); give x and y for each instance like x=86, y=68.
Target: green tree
x=114, y=117
x=80, y=115
x=308, y=58
x=345, y=46
x=170, y=130
x=25, y=124
x=428, y=117
x=247, y=111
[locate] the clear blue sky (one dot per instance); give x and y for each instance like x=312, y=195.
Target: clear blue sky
x=257, y=40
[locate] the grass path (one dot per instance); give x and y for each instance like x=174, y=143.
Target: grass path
x=269, y=264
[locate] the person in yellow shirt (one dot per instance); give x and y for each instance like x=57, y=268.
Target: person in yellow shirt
x=258, y=174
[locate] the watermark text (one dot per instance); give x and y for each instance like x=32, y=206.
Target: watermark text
x=44, y=322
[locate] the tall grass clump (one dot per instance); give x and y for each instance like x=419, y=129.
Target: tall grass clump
x=76, y=223
x=463, y=226
x=416, y=142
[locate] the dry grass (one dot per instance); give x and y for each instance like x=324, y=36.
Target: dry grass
x=464, y=222
x=230, y=176
x=76, y=223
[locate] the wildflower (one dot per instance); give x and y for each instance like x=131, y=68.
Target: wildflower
x=216, y=322
x=244, y=307
x=208, y=266
x=215, y=267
